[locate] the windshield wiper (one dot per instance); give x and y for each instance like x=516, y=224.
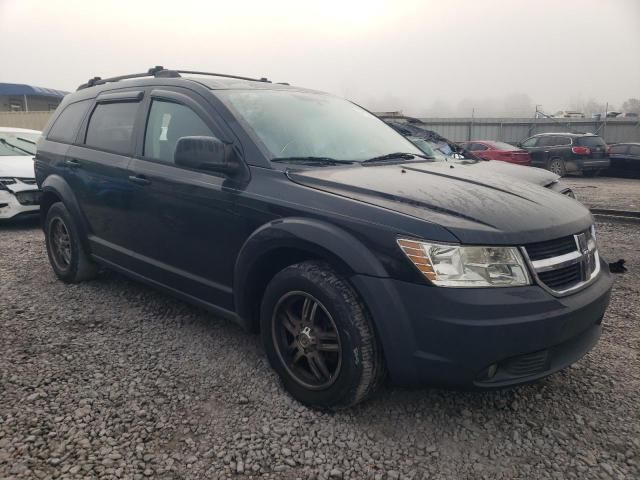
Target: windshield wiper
x=15, y=147
x=312, y=160
x=397, y=156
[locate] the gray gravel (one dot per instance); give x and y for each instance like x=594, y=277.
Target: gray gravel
x=607, y=192
x=110, y=379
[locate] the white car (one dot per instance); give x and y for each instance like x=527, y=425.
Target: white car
x=19, y=194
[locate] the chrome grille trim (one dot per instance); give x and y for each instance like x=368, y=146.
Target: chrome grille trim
x=585, y=256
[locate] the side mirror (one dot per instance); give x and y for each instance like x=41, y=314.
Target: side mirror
x=206, y=153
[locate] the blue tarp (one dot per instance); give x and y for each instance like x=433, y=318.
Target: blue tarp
x=19, y=89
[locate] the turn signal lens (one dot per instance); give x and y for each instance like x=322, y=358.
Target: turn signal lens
x=415, y=253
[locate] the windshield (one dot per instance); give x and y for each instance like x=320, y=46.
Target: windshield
x=299, y=124
x=18, y=144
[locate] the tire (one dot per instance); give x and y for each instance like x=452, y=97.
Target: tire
x=590, y=173
x=66, y=254
x=352, y=357
x=556, y=165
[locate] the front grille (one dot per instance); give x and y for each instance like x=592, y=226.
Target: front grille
x=562, y=278
x=565, y=264
x=551, y=248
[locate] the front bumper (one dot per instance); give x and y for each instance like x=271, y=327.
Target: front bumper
x=11, y=207
x=455, y=336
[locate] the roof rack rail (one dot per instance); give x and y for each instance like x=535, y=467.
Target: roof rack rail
x=224, y=75
x=160, y=72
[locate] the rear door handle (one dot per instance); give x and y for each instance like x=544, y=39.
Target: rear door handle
x=139, y=179
x=72, y=162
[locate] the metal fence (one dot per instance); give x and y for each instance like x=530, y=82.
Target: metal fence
x=513, y=130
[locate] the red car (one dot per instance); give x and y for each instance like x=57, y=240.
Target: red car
x=490, y=150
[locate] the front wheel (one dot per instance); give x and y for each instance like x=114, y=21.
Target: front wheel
x=66, y=254
x=319, y=338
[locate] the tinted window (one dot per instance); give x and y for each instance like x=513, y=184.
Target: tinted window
x=530, y=142
x=561, y=141
x=545, y=141
x=111, y=126
x=634, y=150
x=591, y=142
x=167, y=123
x=619, y=149
x=66, y=125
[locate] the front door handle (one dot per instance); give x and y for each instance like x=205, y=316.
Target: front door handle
x=72, y=162
x=139, y=179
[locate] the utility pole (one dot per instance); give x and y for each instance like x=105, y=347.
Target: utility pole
x=604, y=125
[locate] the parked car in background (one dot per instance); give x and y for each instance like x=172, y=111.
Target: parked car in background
x=563, y=153
x=568, y=114
x=628, y=115
x=443, y=150
x=625, y=159
x=19, y=194
x=305, y=217
x=501, y=151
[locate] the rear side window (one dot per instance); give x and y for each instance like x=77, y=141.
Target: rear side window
x=634, y=150
x=591, y=142
x=559, y=141
x=168, y=122
x=111, y=126
x=66, y=125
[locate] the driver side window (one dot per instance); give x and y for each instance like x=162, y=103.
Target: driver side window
x=168, y=122
x=530, y=142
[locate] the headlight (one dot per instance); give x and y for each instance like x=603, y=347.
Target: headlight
x=460, y=266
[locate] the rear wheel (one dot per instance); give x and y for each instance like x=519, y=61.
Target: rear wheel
x=556, y=165
x=319, y=338
x=66, y=254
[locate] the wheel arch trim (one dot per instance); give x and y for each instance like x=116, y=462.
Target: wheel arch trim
x=316, y=237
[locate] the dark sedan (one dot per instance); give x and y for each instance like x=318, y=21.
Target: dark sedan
x=625, y=160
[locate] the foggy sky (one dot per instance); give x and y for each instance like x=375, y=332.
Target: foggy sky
x=425, y=57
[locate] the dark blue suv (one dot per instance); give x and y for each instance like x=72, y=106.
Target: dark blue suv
x=305, y=217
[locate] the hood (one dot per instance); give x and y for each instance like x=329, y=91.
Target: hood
x=539, y=176
x=16, y=167
x=477, y=205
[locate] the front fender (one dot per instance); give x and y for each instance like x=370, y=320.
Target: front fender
x=314, y=236
x=58, y=186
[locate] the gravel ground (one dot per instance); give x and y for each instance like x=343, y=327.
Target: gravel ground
x=110, y=379
x=607, y=192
